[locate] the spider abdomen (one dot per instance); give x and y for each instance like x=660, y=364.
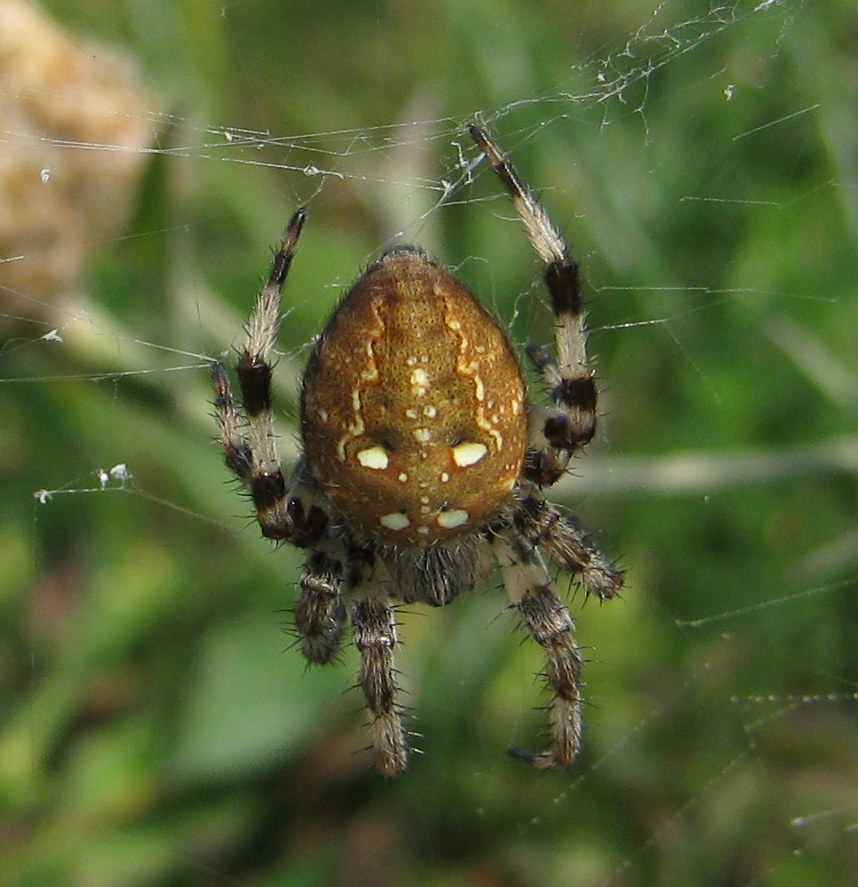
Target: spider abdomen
x=413, y=409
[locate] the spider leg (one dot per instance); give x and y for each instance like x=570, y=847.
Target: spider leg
x=566, y=541
x=570, y=422
x=374, y=633
x=320, y=612
x=247, y=436
x=548, y=622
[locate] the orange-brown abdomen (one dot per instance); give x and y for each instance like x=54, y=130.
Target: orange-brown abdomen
x=413, y=410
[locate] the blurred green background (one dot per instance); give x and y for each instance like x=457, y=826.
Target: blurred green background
x=157, y=727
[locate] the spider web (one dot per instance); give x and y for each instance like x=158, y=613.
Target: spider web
x=701, y=159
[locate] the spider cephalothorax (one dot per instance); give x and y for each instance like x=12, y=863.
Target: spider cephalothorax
x=423, y=462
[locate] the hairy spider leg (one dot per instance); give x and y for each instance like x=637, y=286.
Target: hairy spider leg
x=247, y=436
x=557, y=431
x=548, y=622
x=374, y=634
x=319, y=611
x=567, y=543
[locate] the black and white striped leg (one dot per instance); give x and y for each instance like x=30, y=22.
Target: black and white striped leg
x=569, y=422
x=247, y=435
x=567, y=543
x=548, y=622
x=374, y=631
x=320, y=611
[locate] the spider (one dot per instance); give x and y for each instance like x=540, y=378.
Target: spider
x=423, y=464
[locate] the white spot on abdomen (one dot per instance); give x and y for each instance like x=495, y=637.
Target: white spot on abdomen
x=419, y=381
x=469, y=453
x=373, y=457
x=394, y=521
x=455, y=517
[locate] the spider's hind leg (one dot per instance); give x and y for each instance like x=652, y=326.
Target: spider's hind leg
x=548, y=622
x=569, y=423
x=247, y=435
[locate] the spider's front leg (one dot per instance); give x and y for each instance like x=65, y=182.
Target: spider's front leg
x=374, y=633
x=319, y=611
x=548, y=622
